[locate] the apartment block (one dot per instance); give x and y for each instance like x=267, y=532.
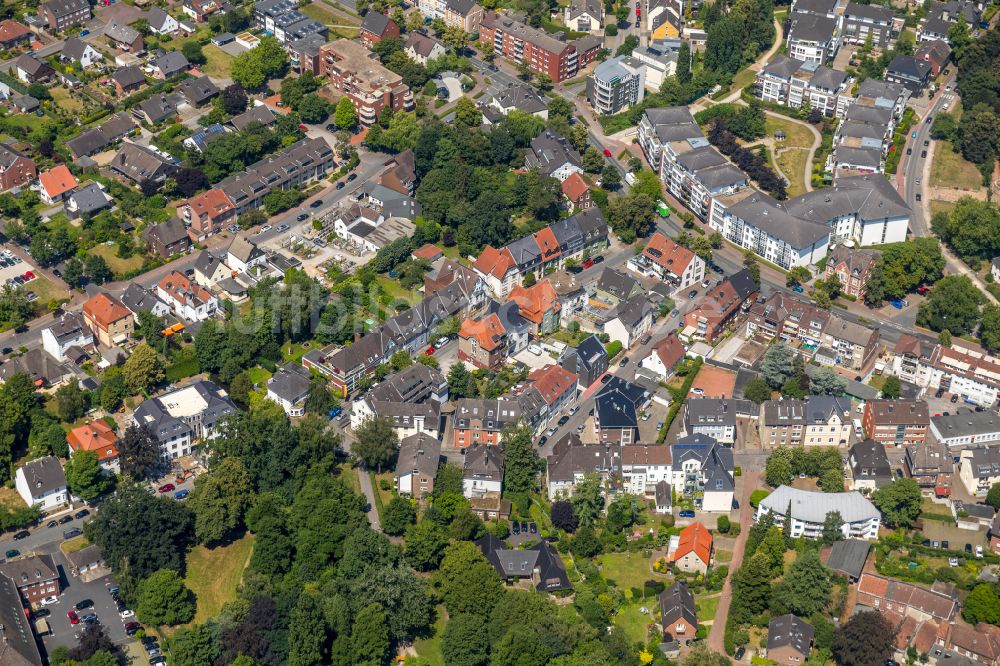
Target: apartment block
x=356, y=72
x=896, y=422
x=542, y=52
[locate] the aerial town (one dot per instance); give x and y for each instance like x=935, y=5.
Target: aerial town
x=521, y=333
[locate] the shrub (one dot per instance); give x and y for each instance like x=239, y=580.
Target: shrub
x=757, y=496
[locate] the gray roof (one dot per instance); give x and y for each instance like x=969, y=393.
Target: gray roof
x=984, y=461
x=616, y=283
x=790, y=631
x=18, y=639
x=522, y=97
x=815, y=409
x=848, y=556
x=869, y=114
x=549, y=151
x=171, y=63
x=872, y=197
x=129, y=76
x=421, y=44
x=814, y=6
x=254, y=181
x=156, y=17
x=767, y=213
x=593, y=7
x=290, y=382
x=909, y=67
x=62, y=8
x=873, y=12
x=570, y=457
x=158, y=108
x=869, y=461
x=244, y=250
x=30, y=570
x=716, y=460
x=153, y=412
x=139, y=163
x=722, y=176
x=812, y=28
x=37, y=364
x=69, y=326
x=90, y=198
x=783, y=66
x=812, y=506
x=702, y=157
x=886, y=90
x=673, y=123
x=966, y=423
x=714, y=411
x=484, y=462
x=677, y=602
x=825, y=77
x=418, y=453
x=859, y=157
x=375, y=22
x=44, y=475
x=260, y=113
x=137, y=299
x=198, y=90
x=120, y=32
x=95, y=139
x=633, y=311
x=73, y=49
x=414, y=384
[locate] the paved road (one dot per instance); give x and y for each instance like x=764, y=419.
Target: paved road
x=44, y=539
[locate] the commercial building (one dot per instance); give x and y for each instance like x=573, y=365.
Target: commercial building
x=177, y=418
x=966, y=427
x=897, y=422
x=810, y=508
x=542, y=52
x=616, y=84
x=356, y=72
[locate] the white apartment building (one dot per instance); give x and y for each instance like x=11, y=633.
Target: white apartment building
x=179, y=417
x=966, y=428
x=979, y=469
x=644, y=466
x=813, y=38
x=968, y=373
x=810, y=508
x=791, y=83
x=70, y=331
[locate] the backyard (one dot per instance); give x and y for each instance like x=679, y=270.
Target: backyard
x=627, y=570
x=214, y=574
x=217, y=62
x=429, y=649
x=117, y=265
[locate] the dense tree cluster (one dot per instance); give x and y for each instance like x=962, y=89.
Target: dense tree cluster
x=902, y=267
x=978, y=135
x=736, y=36
x=749, y=162
x=234, y=151
x=824, y=463
x=252, y=69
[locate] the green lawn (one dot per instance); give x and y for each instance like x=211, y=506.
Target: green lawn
x=186, y=368
x=217, y=62
x=429, y=649
x=326, y=16
x=633, y=622
x=294, y=352
x=792, y=163
x=117, y=265
x=350, y=476
x=258, y=375
x=627, y=570
x=949, y=169
x=214, y=574
x=707, y=606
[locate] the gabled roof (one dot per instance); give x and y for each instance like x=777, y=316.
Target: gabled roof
x=790, y=631
x=121, y=33
x=43, y=475
x=418, y=453
x=260, y=114
x=290, y=382
x=909, y=67
x=128, y=76
x=552, y=382
x=90, y=198
x=670, y=351
x=20, y=646
x=616, y=283
x=375, y=22
x=521, y=97
x=156, y=18
x=244, y=250
x=104, y=309
x=848, y=556
x=198, y=90
x=421, y=44
x=172, y=62
x=495, y=262
x=677, y=603
x=11, y=30
x=487, y=331
x=57, y=181
x=667, y=254
x=695, y=538
x=536, y=301
x=575, y=187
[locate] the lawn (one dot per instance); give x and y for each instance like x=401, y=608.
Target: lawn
x=397, y=291
x=626, y=570
x=324, y=15
x=117, y=265
x=949, y=169
x=258, y=375
x=350, y=476
x=796, y=136
x=65, y=101
x=383, y=497
x=792, y=163
x=707, y=606
x=217, y=62
x=74, y=544
x=429, y=649
x=294, y=352
x=939, y=206
x=47, y=291
x=633, y=622
x=929, y=507
x=214, y=574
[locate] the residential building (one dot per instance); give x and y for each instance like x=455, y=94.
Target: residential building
x=678, y=614
x=13, y=34
x=483, y=470
x=16, y=170
x=663, y=357
x=813, y=37
x=160, y=22
x=304, y=54
x=188, y=300
x=643, y=467
x=375, y=26
x=792, y=83
x=138, y=299
x=556, y=385
x=693, y=551
x=208, y=213
x=109, y=319
x=978, y=644
x=540, y=564
x=56, y=184
x=897, y=422
x=869, y=465
x=95, y=140
x=789, y=640
x=848, y=557
x=615, y=287
x=539, y=304
x=140, y=164
x=553, y=156
x=244, y=254
x=542, y=52
x=465, y=15
x=790, y=320
x=167, y=238
x=701, y=464
x=80, y=53
x=930, y=465
x=99, y=437
x=571, y=461
x=177, y=418
x=123, y=37
x=616, y=410
x=862, y=22
x=128, y=79
x=584, y=16
x=852, y=267
x=401, y=174
x=488, y=341
x=260, y=113
x=631, y=321
x=282, y=19
x=719, y=307
x=819, y=420
x=935, y=53
x=69, y=332
x=810, y=508
x=35, y=576
x=847, y=344
x=588, y=360
x=289, y=387
x=979, y=468
x=577, y=192
x=893, y=596
x=715, y=417
x=156, y=109
x=664, y=19
x=664, y=259
x=480, y=421
x=616, y=84
x=910, y=72
x=422, y=48
x=42, y=483
x=966, y=427
x=417, y=465
x=87, y=200
x=43, y=369
x=200, y=10
x=519, y=97
x=660, y=62
x=20, y=647
x=355, y=72
x=62, y=14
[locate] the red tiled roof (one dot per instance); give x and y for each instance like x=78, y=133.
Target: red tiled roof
x=11, y=30
x=429, y=252
x=547, y=244
x=181, y=288
x=105, y=310
x=495, y=262
x=212, y=203
x=697, y=539
x=57, y=181
x=487, y=331
x=664, y=252
x=553, y=381
x=644, y=454
x=574, y=187
x=534, y=301
x=670, y=350
x=94, y=436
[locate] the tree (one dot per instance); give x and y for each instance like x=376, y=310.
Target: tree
x=899, y=503
x=84, y=476
x=702, y=656
x=370, y=637
x=866, y=638
x=993, y=496
x=198, y=645
x=468, y=583
x=953, y=305
x=797, y=275
x=683, y=72
x=139, y=452
x=71, y=402
x=143, y=370
x=757, y=390
x=192, y=51
x=903, y=267
x=989, y=328
x=466, y=113
x=521, y=461
x=93, y=647
x=982, y=605
x=404, y=596
x=254, y=67
x=750, y=263
x=375, y=442
x=307, y=640
x=564, y=516
x=162, y=598
x=891, y=388
x=752, y=587
x=778, y=469
x=592, y=160
x=314, y=109
x=234, y=99
x=398, y=515
x=610, y=178
x=97, y=268
x=188, y=182
x=826, y=381
x=631, y=216
x=425, y=544
x=832, y=528
x=778, y=365
x=724, y=45
x=345, y=117
x=220, y=500
x=464, y=641
x=585, y=543
x=806, y=587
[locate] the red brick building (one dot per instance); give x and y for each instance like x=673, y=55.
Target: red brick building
x=208, y=213
x=356, y=72
x=375, y=27
x=896, y=422
x=15, y=169
x=544, y=53
x=36, y=577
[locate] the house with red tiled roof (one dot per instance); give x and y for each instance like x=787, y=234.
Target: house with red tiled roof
x=13, y=34
x=483, y=342
x=665, y=260
x=57, y=184
x=980, y=643
x=96, y=436
x=886, y=595
x=556, y=385
x=498, y=269
x=207, y=213
x=549, y=247
x=577, y=192
x=693, y=551
x=664, y=357
x=430, y=252
x=719, y=306
x=539, y=304
x=188, y=300
x=109, y=319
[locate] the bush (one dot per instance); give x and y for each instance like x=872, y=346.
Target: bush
x=614, y=348
x=611, y=30
x=723, y=525
x=757, y=496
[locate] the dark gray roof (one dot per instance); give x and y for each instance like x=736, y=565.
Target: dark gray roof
x=18, y=639
x=171, y=63
x=814, y=6
x=414, y=384
x=375, y=22
x=44, y=475
x=549, y=151
x=677, y=602
x=418, y=453
x=633, y=311
x=812, y=28
x=790, y=631
x=32, y=66
x=484, y=462
x=770, y=215
x=421, y=44
x=30, y=570
x=825, y=77
x=153, y=412
x=120, y=32
x=156, y=18
x=848, y=556
x=966, y=423
x=869, y=461
x=97, y=138
x=62, y=8
x=702, y=157
x=198, y=90
x=129, y=76
x=137, y=299
x=139, y=163
x=69, y=326
x=716, y=460
x=571, y=457
x=616, y=283
x=594, y=8
x=858, y=157
x=37, y=364
x=715, y=411
x=673, y=123
x=873, y=12
x=90, y=198
x=158, y=108
x=261, y=114
x=909, y=67
x=522, y=97
x=73, y=49
x=290, y=382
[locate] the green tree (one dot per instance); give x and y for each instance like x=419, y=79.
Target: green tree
x=220, y=500
x=588, y=499
x=425, y=544
x=376, y=442
x=806, y=587
x=610, y=178
x=253, y=68
x=832, y=526
x=866, y=638
x=778, y=365
x=899, y=503
x=464, y=641
x=993, y=496
x=989, y=328
x=138, y=452
x=84, y=476
x=952, y=305
x=71, y=402
x=143, y=370
x=631, y=216
x=778, y=469
x=370, y=637
x=162, y=598
x=307, y=640
x=891, y=388
x=826, y=381
x=521, y=461
x=314, y=109
x=398, y=515
x=467, y=582
x=467, y=114
x=198, y=645
x=683, y=72
x=345, y=117
x=751, y=587
x=757, y=390
x=702, y=656
x=982, y=605
x=113, y=390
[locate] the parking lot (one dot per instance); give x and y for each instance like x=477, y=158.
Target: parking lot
x=13, y=271
x=75, y=591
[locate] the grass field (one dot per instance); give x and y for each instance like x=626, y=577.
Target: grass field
x=938, y=206
x=185, y=368
x=74, y=544
x=117, y=265
x=707, y=606
x=324, y=15
x=429, y=649
x=792, y=163
x=633, y=622
x=627, y=570
x=350, y=476
x=65, y=101
x=258, y=375
x=949, y=169
x=796, y=136
x=47, y=290
x=213, y=575
x=217, y=62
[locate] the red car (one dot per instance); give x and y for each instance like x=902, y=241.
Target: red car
x=429, y=351
x=923, y=290
x=607, y=153
x=588, y=263
x=166, y=487
x=73, y=617
x=29, y=275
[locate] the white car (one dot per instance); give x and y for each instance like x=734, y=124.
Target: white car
x=441, y=342
x=48, y=601
x=979, y=552
x=952, y=561
x=127, y=613
x=645, y=417
x=264, y=229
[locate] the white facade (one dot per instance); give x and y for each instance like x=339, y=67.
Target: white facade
x=763, y=243
x=618, y=330
x=190, y=310
x=641, y=479
x=170, y=25
x=479, y=487
x=36, y=492
x=56, y=347
x=810, y=508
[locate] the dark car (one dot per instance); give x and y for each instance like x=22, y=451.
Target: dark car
x=302, y=217
x=65, y=519
x=42, y=612
x=968, y=549
x=340, y=185
x=605, y=379
x=574, y=269
x=923, y=153
x=515, y=528
x=736, y=504
x=944, y=545
x=132, y=627
x=524, y=526
x=331, y=127
x=86, y=603
x=81, y=514
x=13, y=552
x=909, y=151
x=542, y=440
x=563, y=420
x=926, y=143
x=598, y=259
x=23, y=534
x=316, y=204
x=622, y=363
x=533, y=528
x=686, y=514
x=351, y=177
x=56, y=272
x=954, y=398
x=692, y=293
x=740, y=651
x=72, y=532
x=939, y=393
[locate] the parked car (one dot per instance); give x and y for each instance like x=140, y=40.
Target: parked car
x=979, y=552
x=13, y=552
x=687, y=513
x=182, y=494
x=72, y=532
x=340, y=185
x=351, y=177
x=85, y=603
x=125, y=614
x=302, y=217
x=562, y=420
x=923, y=154
x=623, y=362
x=607, y=153
x=281, y=228
x=132, y=627
x=798, y=289
x=73, y=617
x=42, y=612
x=166, y=488
x=23, y=534
x=48, y=601
x=515, y=528
x=692, y=293
x=740, y=651
x=82, y=513
x=896, y=303
x=316, y=204
x=264, y=229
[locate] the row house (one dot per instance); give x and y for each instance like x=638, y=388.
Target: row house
x=643, y=467
x=847, y=344
x=354, y=71
x=480, y=421
x=188, y=300
x=897, y=422
x=719, y=307
x=701, y=465
x=893, y=596
x=571, y=462
x=715, y=417
x=852, y=267
x=818, y=420
x=94, y=140
x=539, y=304
x=971, y=374
x=541, y=52
x=792, y=83
x=488, y=341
